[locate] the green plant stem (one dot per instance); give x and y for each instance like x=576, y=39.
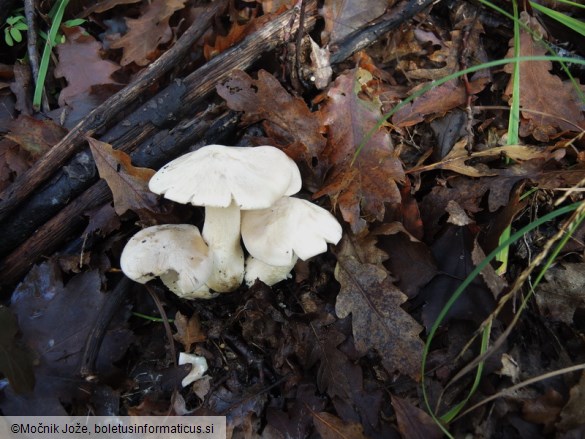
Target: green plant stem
x=459, y=291
x=49, y=43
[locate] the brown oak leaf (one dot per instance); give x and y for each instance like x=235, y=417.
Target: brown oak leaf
x=287, y=120
x=368, y=294
x=361, y=187
x=81, y=65
x=129, y=184
x=189, y=330
x=542, y=91
x=147, y=32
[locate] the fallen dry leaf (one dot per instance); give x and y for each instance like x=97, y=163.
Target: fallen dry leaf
x=563, y=292
x=573, y=413
x=33, y=135
x=331, y=427
x=129, y=184
x=542, y=91
x=413, y=422
x=147, y=32
x=16, y=363
x=458, y=156
x=287, y=119
x=55, y=320
x=438, y=100
x=368, y=294
x=81, y=64
x=358, y=188
x=344, y=17
x=189, y=331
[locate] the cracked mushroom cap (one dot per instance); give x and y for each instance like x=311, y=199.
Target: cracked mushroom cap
x=174, y=252
x=214, y=175
x=289, y=227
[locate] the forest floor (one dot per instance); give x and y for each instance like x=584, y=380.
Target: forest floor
x=431, y=130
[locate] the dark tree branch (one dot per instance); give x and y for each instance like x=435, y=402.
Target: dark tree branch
x=56, y=157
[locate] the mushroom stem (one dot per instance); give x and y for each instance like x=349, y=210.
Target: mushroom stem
x=269, y=274
x=221, y=231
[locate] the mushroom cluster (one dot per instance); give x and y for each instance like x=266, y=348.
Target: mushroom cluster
x=246, y=195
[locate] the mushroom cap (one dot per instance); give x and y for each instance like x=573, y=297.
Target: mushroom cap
x=174, y=252
x=214, y=175
x=290, y=225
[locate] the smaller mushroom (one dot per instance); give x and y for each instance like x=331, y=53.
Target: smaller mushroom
x=174, y=252
x=198, y=367
x=276, y=237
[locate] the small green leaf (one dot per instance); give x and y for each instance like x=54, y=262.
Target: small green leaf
x=16, y=35
x=8, y=38
x=74, y=22
x=21, y=26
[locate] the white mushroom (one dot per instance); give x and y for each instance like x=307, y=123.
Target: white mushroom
x=275, y=237
x=174, y=252
x=224, y=180
x=198, y=367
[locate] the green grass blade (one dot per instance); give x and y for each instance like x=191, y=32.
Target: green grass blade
x=459, y=291
x=44, y=65
x=570, y=22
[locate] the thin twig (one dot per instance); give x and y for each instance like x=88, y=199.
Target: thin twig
x=95, y=338
x=31, y=44
x=166, y=324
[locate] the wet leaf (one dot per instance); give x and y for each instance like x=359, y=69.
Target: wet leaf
x=368, y=294
x=287, y=119
x=35, y=136
x=81, y=64
x=16, y=363
x=358, y=189
x=146, y=33
x=344, y=17
x=563, y=293
x=331, y=427
x=452, y=253
x=129, y=184
x=55, y=320
x=413, y=422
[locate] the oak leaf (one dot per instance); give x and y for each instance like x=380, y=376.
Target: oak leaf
x=542, y=91
x=358, y=187
x=189, y=330
x=458, y=157
x=344, y=17
x=147, y=32
x=331, y=427
x=129, y=184
x=287, y=119
x=378, y=321
x=82, y=66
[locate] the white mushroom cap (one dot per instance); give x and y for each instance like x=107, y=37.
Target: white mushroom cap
x=214, y=175
x=174, y=252
x=226, y=179
x=291, y=227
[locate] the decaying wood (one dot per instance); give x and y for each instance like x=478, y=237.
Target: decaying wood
x=100, y=117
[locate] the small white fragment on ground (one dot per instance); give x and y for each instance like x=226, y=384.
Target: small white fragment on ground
x=198, y=367
x=320, y=65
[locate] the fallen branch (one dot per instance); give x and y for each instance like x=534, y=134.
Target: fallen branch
x=177, y=101
x=100, y=117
